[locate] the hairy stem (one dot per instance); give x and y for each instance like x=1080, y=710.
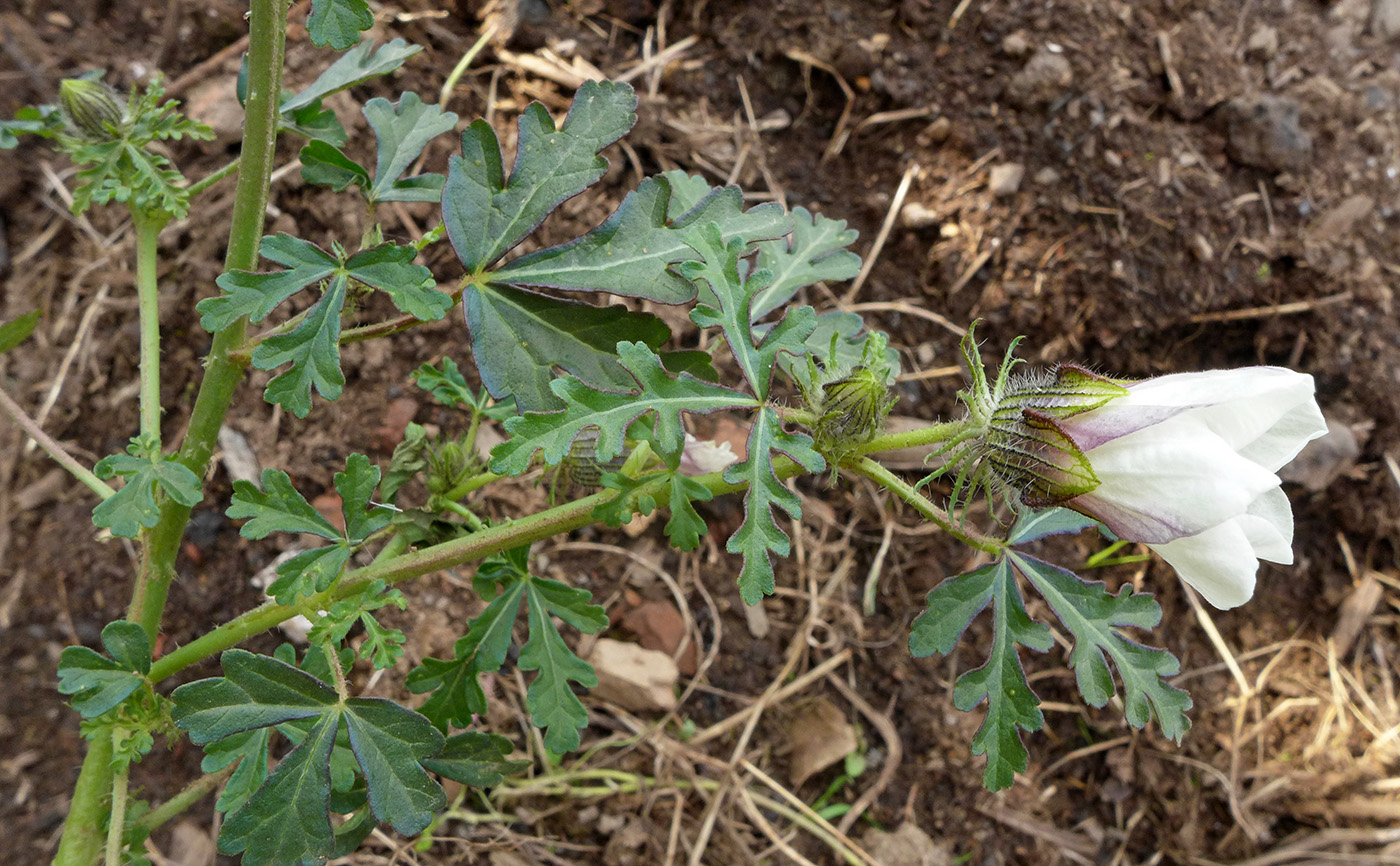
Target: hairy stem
x=931, y=435
x=478, y=545
x=80, y=844
x=930, y=512
x=207, y=181
x=148, y=226
x=181, y=802
x=117, y=823
x=16, y=413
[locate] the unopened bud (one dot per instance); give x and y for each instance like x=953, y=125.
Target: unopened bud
x=1024, y=445
x=853, y=409
x=92, y=108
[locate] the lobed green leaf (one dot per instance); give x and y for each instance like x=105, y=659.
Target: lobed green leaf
x=99, y=683
x=554, y=432
x=815, y=252
x=759, y=534
x=337, y=23
x=633, y=251
x=1094, y=617
x=486, y=215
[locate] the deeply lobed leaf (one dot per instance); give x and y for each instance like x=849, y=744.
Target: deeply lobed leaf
x=554, y=432
x=486, y=215
x=633, y=251
x=1095, y=617
x=759, y=534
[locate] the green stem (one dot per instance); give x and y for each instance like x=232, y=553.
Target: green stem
x=148, y=226
x=465, y=513
x=914, y=438
x=181, y=802
x=223, y=373
x=80, y=845
x=449, y=554
x=930, y=512
x=207, y=181
x=117, y=822
x=476, y=482
x=82, y=839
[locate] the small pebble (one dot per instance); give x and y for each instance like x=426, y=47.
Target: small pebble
x=1005, y=179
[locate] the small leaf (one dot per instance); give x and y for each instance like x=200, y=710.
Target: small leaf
x=486, y=215
x=476, y=759
x=134, y=506
x=256, y=294
x=816, y=251
x=760, y=534
x=632, y=252
x=447, y=385
x=390, y=269
x=952, y=605
x=686, y=525
x=520, y=337
x=337, y=23
x=355, y=66
x=323, y=164
x=98, y=684
x=313, y=350
x=553, y=705
x=309, y=572
x=278, y=507
x=17, y=330
x=554, y=432
x=1001, y=682
x=402, y=131
x=356, y=485
x=456, y=693
x=1034, y=524
x=719, y=269
x=1095, y=618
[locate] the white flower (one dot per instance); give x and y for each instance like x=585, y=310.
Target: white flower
x=701, y=457
x=1186, y=463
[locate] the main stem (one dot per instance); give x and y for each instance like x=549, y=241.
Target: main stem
x=148, y=226
x=81, y=844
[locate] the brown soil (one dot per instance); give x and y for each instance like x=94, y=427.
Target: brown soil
x=1205, y=185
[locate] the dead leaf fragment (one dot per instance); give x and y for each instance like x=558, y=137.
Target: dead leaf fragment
x=906, y=846
x=819, y=736
x=632, y=676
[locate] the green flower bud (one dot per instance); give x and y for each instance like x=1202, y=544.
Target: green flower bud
x=1024, y=445
x=852, y=410
x=92, y=109
x=582, y=467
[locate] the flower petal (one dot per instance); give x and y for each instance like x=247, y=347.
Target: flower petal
x=1170, y=480
x=1269, y=526
x=1218, y=563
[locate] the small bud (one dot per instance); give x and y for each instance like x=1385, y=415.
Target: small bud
x=92, y=109
x=853, y=409
x=582, y=466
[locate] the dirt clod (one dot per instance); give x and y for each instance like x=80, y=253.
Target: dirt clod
x=1265, y=132
x=1044, y=78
